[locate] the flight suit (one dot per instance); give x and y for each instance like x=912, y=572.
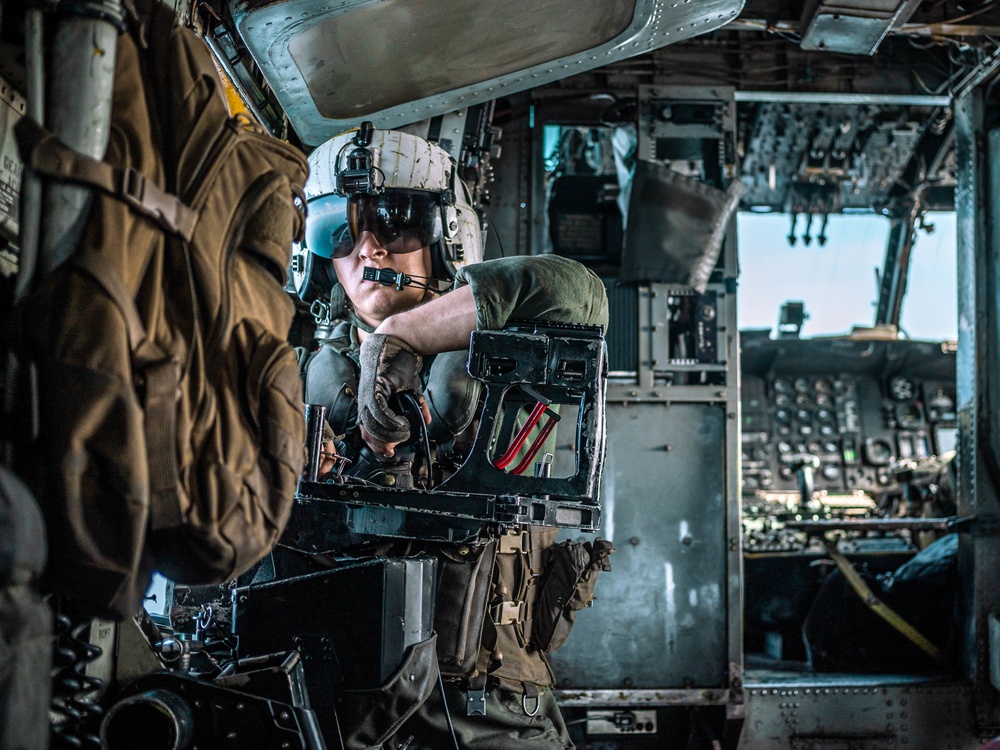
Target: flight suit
x=485, y=594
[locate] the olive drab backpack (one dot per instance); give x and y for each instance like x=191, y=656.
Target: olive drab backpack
x=169, y=426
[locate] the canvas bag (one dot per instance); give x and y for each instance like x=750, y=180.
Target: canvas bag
x=25, y=621
x=170, y=429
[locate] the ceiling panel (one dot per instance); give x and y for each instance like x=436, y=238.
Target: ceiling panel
x=334, y=63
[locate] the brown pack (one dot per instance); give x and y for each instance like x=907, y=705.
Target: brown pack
x=170, y=428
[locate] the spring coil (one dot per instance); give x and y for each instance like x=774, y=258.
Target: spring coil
x=74, y=719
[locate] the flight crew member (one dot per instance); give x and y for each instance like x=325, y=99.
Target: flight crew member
x=411, y=220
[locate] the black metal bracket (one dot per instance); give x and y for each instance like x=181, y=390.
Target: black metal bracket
x=545, y=364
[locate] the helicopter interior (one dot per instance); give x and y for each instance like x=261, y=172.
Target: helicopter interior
x=744, y=465
x=817, y=111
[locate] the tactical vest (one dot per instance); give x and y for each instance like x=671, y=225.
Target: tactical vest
x=485, y=607
x=486, y=595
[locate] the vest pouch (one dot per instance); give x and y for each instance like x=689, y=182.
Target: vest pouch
x=567, y=587
x=370, y=716
x=463, y=591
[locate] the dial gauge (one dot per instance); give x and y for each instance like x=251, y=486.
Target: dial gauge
x=878, y=451
x=902, y=389
x=941, y=400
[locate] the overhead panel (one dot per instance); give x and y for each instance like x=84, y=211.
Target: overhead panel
x=856, y=27
x=332, y=65
x=828, y=155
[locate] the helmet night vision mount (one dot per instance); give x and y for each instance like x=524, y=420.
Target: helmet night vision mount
x=359, y=174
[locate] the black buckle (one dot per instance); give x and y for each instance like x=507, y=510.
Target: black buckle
x=148, y=199
x=476, y=702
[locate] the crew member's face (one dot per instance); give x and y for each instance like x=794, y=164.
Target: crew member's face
x=372, y=301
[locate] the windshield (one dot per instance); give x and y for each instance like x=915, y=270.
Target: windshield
x=838, y=282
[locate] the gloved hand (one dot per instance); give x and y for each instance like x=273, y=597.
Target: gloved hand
x=388, y=365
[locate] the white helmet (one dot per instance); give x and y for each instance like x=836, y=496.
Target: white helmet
x=397, y=185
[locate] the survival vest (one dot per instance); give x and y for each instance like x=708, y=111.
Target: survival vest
x=169, y=429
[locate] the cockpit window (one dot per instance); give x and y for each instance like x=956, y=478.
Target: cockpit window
x=930, y=308
x=838, y=281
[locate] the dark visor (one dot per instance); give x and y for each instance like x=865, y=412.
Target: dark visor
x=327, y=234
x=403, y=221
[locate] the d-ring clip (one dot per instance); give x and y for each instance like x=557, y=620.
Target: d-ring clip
x=524, y=703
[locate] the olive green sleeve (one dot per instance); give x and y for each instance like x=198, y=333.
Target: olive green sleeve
x=535, y=287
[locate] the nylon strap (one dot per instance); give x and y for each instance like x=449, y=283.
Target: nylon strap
x=47, y=155
x=879, y=607
x=519, y=610
x=530, y=692
x=19, y=575
x=508, y=612
x=162, y=379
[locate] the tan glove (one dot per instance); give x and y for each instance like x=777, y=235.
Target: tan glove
x=388, y=365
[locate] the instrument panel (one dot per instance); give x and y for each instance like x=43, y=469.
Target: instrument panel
x=851, y=410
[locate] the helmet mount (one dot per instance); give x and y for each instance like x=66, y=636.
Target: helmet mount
x=360, y=175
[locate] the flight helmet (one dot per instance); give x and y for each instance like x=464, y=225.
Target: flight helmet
x=398, y=186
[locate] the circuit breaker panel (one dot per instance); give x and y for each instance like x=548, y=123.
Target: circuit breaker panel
x=669, y=621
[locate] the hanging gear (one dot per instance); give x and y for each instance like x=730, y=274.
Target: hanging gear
x=25, y=619
x=170, y=408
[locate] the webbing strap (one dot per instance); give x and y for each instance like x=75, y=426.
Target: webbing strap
x=523, y=542
x=19, y=575
x=161, y=443
x=511, y=543
x=49, y=156
x=530, y=693
x=162, y=376
x=520, y=608
x=879, y=607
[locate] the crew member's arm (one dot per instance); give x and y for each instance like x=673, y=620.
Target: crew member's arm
x=543, y=287
x=527, y=287
x=441, y=325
